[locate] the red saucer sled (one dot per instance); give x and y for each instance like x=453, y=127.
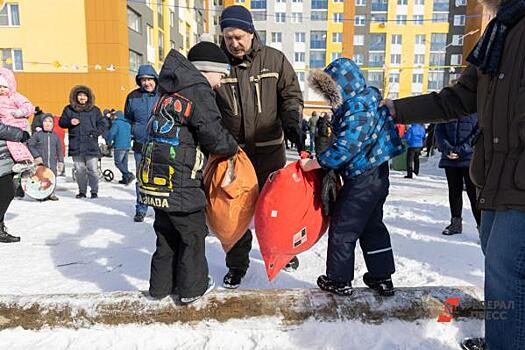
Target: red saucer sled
x=288, y=216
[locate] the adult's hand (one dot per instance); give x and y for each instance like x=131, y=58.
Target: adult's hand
x=453, y=156
x=390, y=105
x=329, y=191
x=75, y=121
x=308, y=164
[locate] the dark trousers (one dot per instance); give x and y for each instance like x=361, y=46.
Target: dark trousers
x=413, y=161
x=239, y=256
x=455, y=179
x=179, y=264
x=7, y=191
x=358, y=215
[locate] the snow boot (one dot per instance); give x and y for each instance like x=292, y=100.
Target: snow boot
x=293, y=265
x=130, y=179
x=5, y=237
x=474, y=344
x=383, y=286
x=94, y=195
x=339, y=288
x=455, y=227
x=189, y=300
x=80, y=196
x=139, y=217
x=233, y=278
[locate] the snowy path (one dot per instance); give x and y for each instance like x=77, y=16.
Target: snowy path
x=80, y=246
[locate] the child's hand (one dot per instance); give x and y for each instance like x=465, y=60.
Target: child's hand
x=60, y=167
x=38, y=161
x=309, y=164
x=38, y=128
x=390, y=105
x=75, y=121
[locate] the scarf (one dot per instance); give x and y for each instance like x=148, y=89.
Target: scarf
x=487, y=53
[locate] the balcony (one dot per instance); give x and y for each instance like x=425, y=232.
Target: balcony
x=379, y=6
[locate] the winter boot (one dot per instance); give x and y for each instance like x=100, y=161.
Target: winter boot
x=130, y=179
x=52, y=197
x=455, y=227
x=139, y=217
x=94, y=195
x=233, y=278
x=5, y=237
x=80, y=196
x=293, y=265
x=189, y=300
x=473, y=344
x=383, y=286
x=340, y=288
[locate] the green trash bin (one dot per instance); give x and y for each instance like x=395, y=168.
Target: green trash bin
x=399, y=163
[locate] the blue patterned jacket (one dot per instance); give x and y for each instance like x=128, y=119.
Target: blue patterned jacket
x=365, y=135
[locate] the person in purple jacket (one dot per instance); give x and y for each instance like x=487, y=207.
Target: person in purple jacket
x=415, y=139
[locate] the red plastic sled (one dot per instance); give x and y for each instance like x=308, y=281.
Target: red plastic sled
x=288, y=216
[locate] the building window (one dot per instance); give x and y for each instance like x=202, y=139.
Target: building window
x=160, y=13
x=459, y=20
x=297, y=17
x=337, y=17
x=259, y=15
x=12, y=59
x=461, y=3
x=258, y=4
x=393, y=78
x=437, y=59
x=440, y=6
x=401, y=19
x=379, y=5
x=172, y=44
x=420, y=39
x=395, y=59
x=436, y=80
x=299, y=57
x=359, y=21
x=172, y=19
x=439, y=17
x=418, y=19
x=397, y=39
x=377, y=42
x=402, y=2
x=135, y=60
x=419, y=2
x=359, y=40
x=360, y=2
x=277, y=37
x=134, y=21
x=262, y=36
x=417, y=78
x=240, y=1
x=337, y=37
x=300, y=37
x=376, y=59
x=161, y=45
x=10, y=15
x=319, y=16
x=149, y=35
x=336, y=55
x=457, y=40
x=280, y=17
x=297, y=1
x=301, y=76
x=375, y=78
x=339, y=1
x=317, y=59
x=317, y=40
x=456, y=59
x=281, y=1
x=438, y=41
x=320, y=4
x=358, y=59
x=419, y=59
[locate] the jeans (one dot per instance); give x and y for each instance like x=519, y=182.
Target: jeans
x=139, y=207
x=120, y=156
x=86, y=171
x=503, y=243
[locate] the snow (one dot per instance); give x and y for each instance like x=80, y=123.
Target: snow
x=91, y=246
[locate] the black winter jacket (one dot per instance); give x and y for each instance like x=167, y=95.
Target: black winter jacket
x=184, y=124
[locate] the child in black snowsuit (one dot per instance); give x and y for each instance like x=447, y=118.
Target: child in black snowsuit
x=46, y=148
x=185, y=123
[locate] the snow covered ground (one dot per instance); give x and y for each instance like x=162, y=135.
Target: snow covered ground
x=81, y=246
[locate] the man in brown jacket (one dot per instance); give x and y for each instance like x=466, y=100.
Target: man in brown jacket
x=260, y=102
x=493, y=85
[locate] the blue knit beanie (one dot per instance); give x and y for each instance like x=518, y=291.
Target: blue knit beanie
x=237, y=16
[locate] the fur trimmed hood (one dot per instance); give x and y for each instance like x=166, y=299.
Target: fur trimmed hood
x=341, y=80
x=73, y=99
x=493, y=5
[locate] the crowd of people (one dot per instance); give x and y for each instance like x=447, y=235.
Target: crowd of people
x=246, y=95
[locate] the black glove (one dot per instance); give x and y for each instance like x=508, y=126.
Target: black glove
x=25, y=136
x=329, y=191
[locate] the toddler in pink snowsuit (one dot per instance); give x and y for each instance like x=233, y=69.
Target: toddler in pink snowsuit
x=15, y=110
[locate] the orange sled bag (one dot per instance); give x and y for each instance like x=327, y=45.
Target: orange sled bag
x=231, y=192
x=288, y=216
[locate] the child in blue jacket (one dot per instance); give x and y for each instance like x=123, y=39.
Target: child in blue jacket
x=415, y=138
x=365, y=138
x=119, y=137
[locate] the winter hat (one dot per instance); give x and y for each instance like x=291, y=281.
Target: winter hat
x=208, y=57
x=47, y=116
x=237, y=16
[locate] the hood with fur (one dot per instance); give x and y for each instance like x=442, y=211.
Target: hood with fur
x=341, y=80
x=493, y=5
x=73, y=99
